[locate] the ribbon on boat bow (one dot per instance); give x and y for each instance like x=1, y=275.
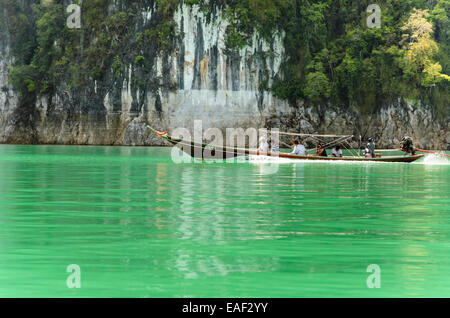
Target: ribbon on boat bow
x=159, y=133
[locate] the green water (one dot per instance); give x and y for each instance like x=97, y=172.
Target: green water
x=139, y=225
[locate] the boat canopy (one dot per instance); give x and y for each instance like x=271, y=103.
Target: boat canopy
x=328, y=140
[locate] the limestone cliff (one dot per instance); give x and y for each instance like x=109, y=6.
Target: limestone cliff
x=198, y=79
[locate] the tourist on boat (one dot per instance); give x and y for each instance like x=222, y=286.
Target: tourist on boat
x=320, y=150
x=299, y=149
x=274, y=147
x=263, y=145
x=370, y=149
x=336, y=152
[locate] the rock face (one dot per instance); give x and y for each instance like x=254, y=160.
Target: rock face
x=200, y=80
x=388, y=126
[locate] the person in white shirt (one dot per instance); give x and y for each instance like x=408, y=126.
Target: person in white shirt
x=299, y=149
x=263, y=145
x=336, y=152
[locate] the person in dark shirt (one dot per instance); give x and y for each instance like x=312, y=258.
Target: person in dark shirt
x=320, y=150
x=371, y=148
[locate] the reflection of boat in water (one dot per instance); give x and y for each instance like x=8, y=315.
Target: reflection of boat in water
x=205, y=151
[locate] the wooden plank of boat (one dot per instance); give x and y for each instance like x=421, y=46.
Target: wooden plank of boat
x=348, y=158
x=205, y=151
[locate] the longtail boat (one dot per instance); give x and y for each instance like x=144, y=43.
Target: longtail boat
x=206, y=151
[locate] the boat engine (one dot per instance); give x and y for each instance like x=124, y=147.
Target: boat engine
x=407, y=145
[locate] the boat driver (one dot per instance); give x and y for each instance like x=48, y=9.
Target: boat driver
x=370, y=149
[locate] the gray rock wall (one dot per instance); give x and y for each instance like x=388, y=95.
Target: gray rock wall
x=200, y=80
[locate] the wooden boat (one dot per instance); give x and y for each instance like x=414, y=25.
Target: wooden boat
x=205, y=151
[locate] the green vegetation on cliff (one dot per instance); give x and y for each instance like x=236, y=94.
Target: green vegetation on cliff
x=331, y=54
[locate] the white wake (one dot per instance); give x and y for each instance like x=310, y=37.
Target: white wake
x=433, y=160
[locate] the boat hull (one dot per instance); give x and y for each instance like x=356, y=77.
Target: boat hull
x=204, y=151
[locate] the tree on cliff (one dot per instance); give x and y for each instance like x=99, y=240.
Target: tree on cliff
x=421, y=50
x=331, y=54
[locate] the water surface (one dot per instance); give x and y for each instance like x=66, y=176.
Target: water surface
x=139, y=225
